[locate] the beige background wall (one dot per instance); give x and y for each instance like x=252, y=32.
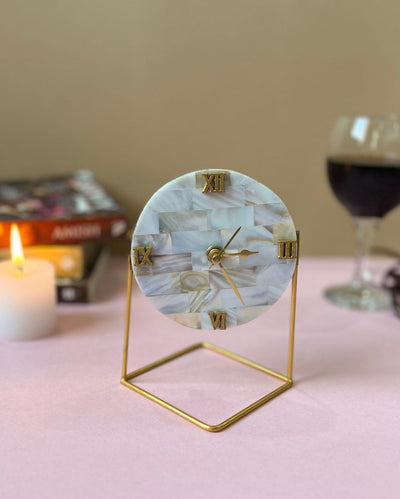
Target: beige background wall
x=142, y=91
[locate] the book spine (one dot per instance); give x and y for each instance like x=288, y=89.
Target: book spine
x=34, y=232
x=72, y=293
x=68, y=260
x=84, y=290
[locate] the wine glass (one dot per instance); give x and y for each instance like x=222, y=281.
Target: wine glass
x=364, y=173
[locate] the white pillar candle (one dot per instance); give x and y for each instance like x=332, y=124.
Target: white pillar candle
x=27, y=299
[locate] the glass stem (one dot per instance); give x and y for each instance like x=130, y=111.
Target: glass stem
x=365, y=230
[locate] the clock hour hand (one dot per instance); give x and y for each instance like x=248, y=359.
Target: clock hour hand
x=230, y=282
x=244, y=253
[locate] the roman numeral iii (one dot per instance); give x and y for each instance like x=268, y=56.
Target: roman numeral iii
x=141, y=256
x=287, y=250
x=214, y=182
x=218, y=319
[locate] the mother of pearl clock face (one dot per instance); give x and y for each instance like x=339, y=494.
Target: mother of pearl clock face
x=214, y=249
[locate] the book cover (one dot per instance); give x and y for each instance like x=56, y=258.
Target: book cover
x=66, y=209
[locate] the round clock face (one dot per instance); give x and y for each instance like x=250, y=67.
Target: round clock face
x=214, y=249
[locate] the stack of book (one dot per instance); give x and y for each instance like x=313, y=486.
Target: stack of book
x=65, y=219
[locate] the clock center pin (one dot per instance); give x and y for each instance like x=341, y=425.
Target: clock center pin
x=214, y=254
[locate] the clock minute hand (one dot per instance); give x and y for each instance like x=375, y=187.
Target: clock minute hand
x=244, y=253
x=231, y=239
x=230, y=282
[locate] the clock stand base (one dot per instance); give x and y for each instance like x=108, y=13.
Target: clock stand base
x=287, y=380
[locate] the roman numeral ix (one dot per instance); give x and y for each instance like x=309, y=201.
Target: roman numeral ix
x=141, y=256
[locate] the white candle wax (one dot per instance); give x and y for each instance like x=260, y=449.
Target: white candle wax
x=27, y=300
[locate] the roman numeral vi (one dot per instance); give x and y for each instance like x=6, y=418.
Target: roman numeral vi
x=218, y=319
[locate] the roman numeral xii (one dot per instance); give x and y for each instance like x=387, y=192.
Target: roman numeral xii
x=215, y=182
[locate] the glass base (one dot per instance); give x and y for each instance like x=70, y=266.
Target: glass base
x=359, y=296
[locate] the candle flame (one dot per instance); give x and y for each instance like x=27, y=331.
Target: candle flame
x=17, y=253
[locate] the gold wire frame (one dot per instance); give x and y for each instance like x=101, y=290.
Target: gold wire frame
x=287, y=378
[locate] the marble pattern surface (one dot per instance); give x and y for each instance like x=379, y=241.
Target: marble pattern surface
x=180, y=223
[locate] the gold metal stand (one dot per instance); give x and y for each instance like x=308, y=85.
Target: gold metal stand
x=286, y=378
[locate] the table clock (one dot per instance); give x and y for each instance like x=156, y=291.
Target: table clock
x=212, y=250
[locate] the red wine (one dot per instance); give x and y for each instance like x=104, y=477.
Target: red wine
x=368, y=186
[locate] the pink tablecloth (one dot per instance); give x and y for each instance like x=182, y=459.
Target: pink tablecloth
x=68, y=429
